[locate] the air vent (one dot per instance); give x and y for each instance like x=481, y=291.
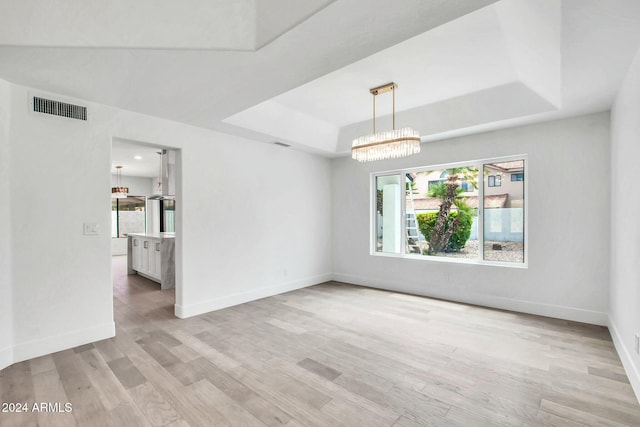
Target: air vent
x=57, y=108
x=282, y=144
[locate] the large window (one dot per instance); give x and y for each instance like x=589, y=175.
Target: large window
x=471, y=212
x=128, y=216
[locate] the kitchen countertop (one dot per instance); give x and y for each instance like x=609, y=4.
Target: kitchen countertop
x=154, y=235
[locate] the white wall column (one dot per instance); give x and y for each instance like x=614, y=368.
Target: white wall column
x=6, y=297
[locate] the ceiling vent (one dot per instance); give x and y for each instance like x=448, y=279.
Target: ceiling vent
x=282, y=144
x=57, y=108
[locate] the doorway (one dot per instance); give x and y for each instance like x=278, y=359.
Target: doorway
x=144, y=223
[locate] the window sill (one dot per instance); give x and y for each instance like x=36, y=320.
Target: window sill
x=428, y=258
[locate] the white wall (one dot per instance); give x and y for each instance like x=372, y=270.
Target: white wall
x=138, y=186
x=61, y=279
x=255, y=221
x=6, y=306
x=568, y=180
x=624, y=310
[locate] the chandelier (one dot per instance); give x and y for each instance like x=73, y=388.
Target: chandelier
x=119, y=192
x=386, y=145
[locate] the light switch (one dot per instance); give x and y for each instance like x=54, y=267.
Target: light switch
x=91, y=229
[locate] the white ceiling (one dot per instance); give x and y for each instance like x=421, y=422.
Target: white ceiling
x=457, y=58
x=477, y=53
x=125, y=153
x=152, y=24
x=300, y=71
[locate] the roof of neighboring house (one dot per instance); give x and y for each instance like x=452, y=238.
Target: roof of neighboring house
x=494, y=201
x=433, y=203
x=516, y=165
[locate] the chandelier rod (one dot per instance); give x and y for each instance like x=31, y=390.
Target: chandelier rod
x=384, y=89
x=393, y=94
x=374, y=113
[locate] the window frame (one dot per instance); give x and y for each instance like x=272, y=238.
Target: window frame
x=480, y=164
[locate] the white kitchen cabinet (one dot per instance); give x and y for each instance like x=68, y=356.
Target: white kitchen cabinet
x=146, y=256
x=152, y=256
x=157, y=259
x=144, y=261
x=136, y=253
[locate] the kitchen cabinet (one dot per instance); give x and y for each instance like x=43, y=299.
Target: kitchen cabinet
x=153, y=256
x=135, y=253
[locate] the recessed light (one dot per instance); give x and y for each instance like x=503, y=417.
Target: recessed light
x=137, y=157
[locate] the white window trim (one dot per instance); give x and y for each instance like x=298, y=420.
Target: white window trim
x=479, y=163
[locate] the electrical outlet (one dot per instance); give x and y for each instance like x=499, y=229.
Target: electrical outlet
x=91, y=229
x=637, y=343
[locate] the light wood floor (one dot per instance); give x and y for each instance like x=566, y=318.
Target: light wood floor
x=329, y=355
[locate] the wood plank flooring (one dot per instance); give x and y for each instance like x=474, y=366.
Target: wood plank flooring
x=329, y=355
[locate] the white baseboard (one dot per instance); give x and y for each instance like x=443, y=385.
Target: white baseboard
x=531, y=307
x=242, y=297
x=625, y=356
x=6, y=357
x=36, y=348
